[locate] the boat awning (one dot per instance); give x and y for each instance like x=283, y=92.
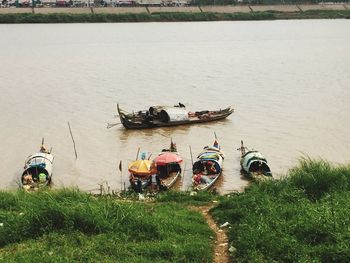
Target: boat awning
x=166, y=158
x=168, y=113
x=250, y=157
x=140, y=167
x=39, y=160
x=177, y=114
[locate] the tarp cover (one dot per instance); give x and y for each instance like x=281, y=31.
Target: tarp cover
x=176, y=113
x=250, y=157
x=43, y=160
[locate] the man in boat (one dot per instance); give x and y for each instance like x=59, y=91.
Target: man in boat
x=43, y=149
x=173, y=147
x=197, y=178
x=136, y=183
x=28, y=179
x=210, y=166
x=155, y=181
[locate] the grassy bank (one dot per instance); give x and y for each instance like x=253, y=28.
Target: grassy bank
x=302, y=218
x=168, y=17
x=70, y=226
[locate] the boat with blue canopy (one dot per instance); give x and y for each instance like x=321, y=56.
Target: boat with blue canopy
x=37, y=169
x=208, y=167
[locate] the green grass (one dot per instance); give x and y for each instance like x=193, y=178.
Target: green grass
x=187, y=198
x=304, y=217
x=168, y=17
x=71, y=226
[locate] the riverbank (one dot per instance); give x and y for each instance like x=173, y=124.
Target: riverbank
x=71, y=226
x=304, y=217
x=300, y=218
x=172, y=14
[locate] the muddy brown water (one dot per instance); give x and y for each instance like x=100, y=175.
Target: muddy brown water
x=289, y=82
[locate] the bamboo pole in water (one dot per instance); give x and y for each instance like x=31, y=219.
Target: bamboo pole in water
x=71, y=134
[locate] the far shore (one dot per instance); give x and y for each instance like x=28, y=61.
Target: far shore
x=172, y=14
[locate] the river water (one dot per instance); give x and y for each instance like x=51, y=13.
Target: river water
x=289, y=82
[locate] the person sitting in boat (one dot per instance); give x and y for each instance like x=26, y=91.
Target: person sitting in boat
x=197, y=178
x=148, y=118
x=155, y=182
x=28, y=179
x=173, y=147
x=42, y=178
x=43, y=149
x=210, y=166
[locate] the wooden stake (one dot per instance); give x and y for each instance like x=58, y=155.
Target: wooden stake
x=191, y=155
x=121, y=175
x=71, y=134
x=137, y=155
x=110, y=125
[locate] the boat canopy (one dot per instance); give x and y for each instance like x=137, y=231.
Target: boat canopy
x=42, y=161
x=201, y=164
x=166, y=158
x=140, y=167
x=168, y=113
x=209, y=156
x=251, y=157
x=38, y=158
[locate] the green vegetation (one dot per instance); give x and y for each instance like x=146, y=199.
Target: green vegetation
x=304, y=217
x=71, y=226
x=187, y=198
x=167, y=17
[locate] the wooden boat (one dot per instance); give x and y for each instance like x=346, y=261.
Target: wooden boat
x=140, y=174
x=168, y=165
x=208, y=167
x=163, y=116
x=37, y=170
x=254, y=165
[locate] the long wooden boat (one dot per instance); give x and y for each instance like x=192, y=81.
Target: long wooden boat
x=254, y=164
x=168, y=165
x=164, y=116
x=37, y=170
x=208, y=167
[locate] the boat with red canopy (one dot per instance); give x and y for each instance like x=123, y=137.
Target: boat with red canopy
x=168, y=166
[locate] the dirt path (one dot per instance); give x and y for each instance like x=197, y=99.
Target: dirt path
x=221, y=254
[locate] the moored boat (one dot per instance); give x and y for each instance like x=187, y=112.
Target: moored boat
x=168, y=165
x=163, y=116
x=254, y=164
x=37, y=169
x=140, y=173
x=208, y=167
